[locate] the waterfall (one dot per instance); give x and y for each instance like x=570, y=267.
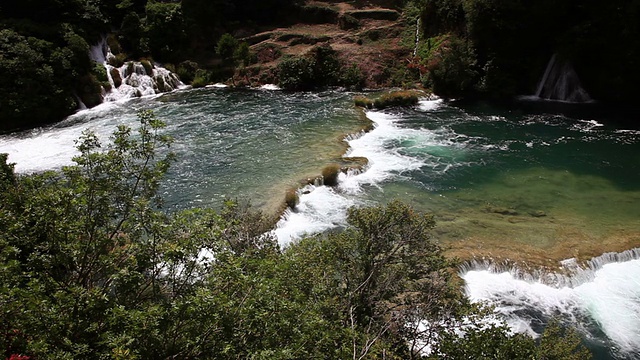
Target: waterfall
x=415, y=49
x=560, y=82
x=132, y=79
x=601, y=297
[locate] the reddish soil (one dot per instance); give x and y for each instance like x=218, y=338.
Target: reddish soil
x=376, y=45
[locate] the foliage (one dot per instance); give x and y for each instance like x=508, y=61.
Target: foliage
x=295, y=73
x=201, y=78
x=452, y=69
x=396, y=98
x=226, y=48
x=165, y=30
x=187, y=71
x=494, y=341
x=320, y=68
x=38, y=80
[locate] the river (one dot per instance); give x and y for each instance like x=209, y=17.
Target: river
x=541, y=192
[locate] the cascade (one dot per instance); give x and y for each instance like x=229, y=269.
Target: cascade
x=600, y=297
x=132, y=79
x=560, y=82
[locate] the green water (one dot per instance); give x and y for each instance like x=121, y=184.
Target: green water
x=548, y=183
x=253, y=145
x=506, y=179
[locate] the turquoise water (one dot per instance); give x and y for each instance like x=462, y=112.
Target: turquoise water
x=534, y=189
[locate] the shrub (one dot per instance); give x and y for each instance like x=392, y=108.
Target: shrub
x=99, y=71
x=242, y=54
x=396, y=98
x=291, y=198
x=226, y=48
x=348, y=22
x=330, y=174
x=187, y=71
x=363, y=101
x=201, y=78
x=352, y=78
x=295, y=73
x=148, y=66
x=452, y=68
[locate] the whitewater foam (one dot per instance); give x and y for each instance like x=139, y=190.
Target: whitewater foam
x=430, y=103
x=54, y=147
x=322, y=208
x=604, y=295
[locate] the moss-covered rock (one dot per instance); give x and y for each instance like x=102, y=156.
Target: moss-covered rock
x=330, y=174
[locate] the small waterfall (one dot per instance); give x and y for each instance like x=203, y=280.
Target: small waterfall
x=600, y=298
x=132, y=79
x=560, y=82
x=415, y=49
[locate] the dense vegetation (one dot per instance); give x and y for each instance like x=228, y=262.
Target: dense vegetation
x=90, y=268
x=499, y=49
x=44, y=46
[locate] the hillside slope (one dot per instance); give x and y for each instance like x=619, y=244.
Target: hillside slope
x=374, y=36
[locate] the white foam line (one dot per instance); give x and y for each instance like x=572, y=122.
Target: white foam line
x=322, y=208
x=608, y=295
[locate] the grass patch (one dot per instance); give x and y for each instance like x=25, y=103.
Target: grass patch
x=363, y=101
x=291, y=198
x=396, y=98
x=330, y=174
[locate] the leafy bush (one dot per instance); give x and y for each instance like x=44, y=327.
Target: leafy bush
x=352, y=77
x=348, y=22
x=100, y=72
x=291, y=198
x=296, y=73
x=363, y=101
x=452, y=68
x=319, y=68
x=201, y=78
x=396, y=98
x=226, y=47
x=187, y=71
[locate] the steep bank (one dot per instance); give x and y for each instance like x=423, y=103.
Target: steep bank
x=375, y=38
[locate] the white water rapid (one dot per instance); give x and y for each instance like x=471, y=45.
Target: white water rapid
x=322, y=208
x=132, y=79
x=602, y=297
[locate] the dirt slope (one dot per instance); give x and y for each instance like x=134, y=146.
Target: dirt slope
x=367, y=33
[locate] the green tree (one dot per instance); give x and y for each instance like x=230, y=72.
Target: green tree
x=36, y=86
x=165, y=30
x=226, y=48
